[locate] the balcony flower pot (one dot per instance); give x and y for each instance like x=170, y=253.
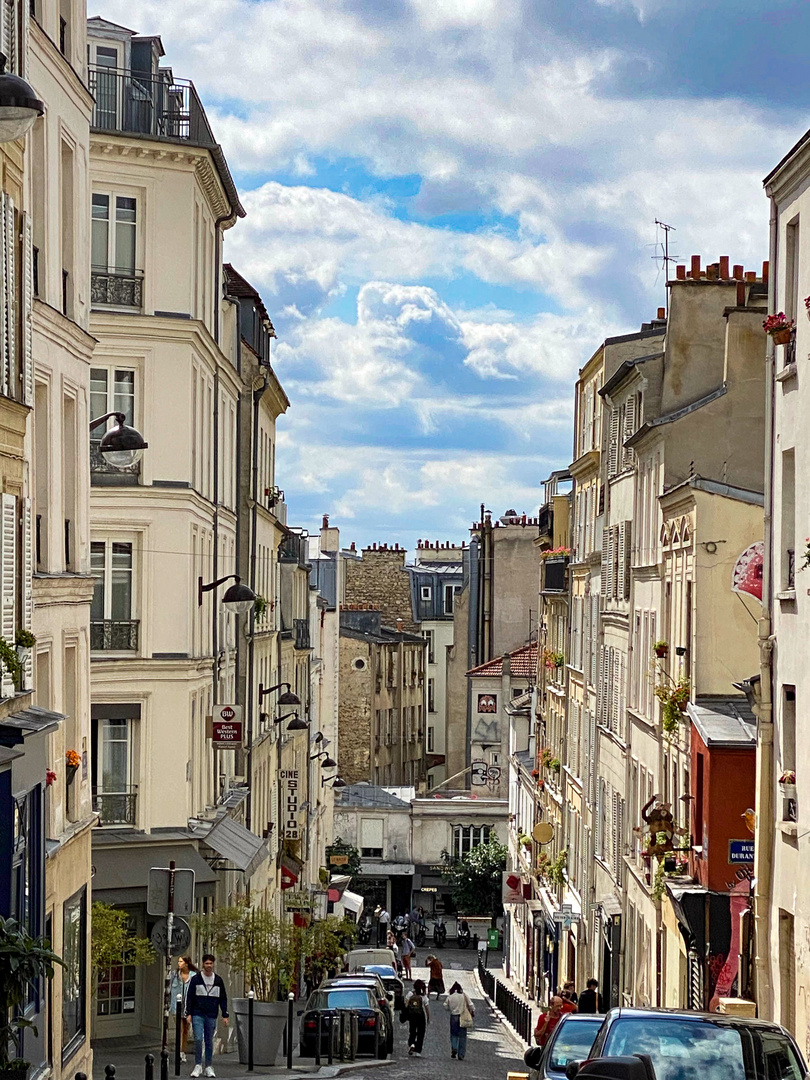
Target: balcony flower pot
x=269, y=1021
x=661, y=649
x=782, y=337
x=788, y=791
x=70, y=773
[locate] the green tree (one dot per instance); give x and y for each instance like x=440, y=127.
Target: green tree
x=342, y=847
x=112, y=942
x=24, y=960
x=475, y=880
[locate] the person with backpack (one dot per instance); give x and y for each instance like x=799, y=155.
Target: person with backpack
x=417, y=1013
x=461, y=1011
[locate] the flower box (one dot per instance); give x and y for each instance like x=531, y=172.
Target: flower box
x=788, y=791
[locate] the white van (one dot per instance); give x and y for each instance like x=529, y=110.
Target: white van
x=360, y=958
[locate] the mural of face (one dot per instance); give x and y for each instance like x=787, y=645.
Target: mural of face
x=487, y=703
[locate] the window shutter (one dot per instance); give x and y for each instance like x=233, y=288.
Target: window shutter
x=10, y=352
x=629, y=429
x=28, y=589
x=594, y=639
x=25, y=25
x=615, y=678
x=4, y=358
x=592, y=754
x=603, y=583
x=598, y=830
x=8, y=580
x=574, y=738
x=27, y=329
x=620, y=562
x=8, y=34
x=601, y=705
x=613, y=449
x=619, y=840
x=614, y=835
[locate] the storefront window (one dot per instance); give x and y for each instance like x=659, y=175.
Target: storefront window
x=115, y=994
x=74, y=973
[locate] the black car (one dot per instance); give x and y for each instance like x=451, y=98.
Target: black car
x=700, y=1046
x=372, y=1036
x=375, y=984
x=571, y=1040
x=391, y=981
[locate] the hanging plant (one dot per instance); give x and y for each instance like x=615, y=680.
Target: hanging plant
x=25, y=639
x=553, y=659
x=556, y=553
x=50, y=777
x=259, y=606
x=11, y=662
x=661, y=649
x=557, y=867
x=555, y=764
x=806, y=555
x=674, y=700
x=546, y=757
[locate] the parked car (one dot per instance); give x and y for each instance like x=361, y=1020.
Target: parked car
x=699, y=1046
x=359, y=958
x=372, y=1033
x=571, y=1040
x=385, y=999
x=391, y=981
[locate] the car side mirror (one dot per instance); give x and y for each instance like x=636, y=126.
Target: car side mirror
x=571, y=1069
x=630, y=1067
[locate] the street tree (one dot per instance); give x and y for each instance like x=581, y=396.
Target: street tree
x=475, y=879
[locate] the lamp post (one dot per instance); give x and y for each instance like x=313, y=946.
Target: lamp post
x=121, y=447
x=335, y=781
x=327, y=763
x=288, y=697
x=238, y=598
x=19, y=105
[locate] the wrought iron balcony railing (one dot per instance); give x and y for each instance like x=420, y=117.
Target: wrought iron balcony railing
x=116, y=288
x=114, y=634
x=140, y=103
x=116, y=808
x=301, y=633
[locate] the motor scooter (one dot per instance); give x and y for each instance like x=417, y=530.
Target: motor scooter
x=463, y=935
x=439, y=933
x=419, y=934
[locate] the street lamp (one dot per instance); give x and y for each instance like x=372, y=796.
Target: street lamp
x=327, y=763
x=19, y=105
x=296, y=724
x=120, y=447
x=238, y=598
x=335, y=781
x=289, y=697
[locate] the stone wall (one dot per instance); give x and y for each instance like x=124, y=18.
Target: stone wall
x=380, y=579
x=355, y=710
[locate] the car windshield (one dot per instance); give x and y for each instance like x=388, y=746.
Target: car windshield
x=572, y=1042
x=350, y=998
x=703, y=1050
x=382, y=970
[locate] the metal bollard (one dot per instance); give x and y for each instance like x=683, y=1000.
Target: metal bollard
x=342, y=1035
x=318, y=1040
x=149, y=1067
x=178, y=1033
x=290, y=1001
x=164, y=1065
x=109, y=1072
x=251, y=999
x=330, y=1041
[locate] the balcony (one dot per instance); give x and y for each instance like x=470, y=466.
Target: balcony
x=153, y=105
x=116, y=288
x=301, y=630
x=115, y=635
x=555, y=574
x=116, y=808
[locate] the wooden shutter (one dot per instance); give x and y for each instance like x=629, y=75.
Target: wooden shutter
x=613, y=449
x=10, y=289
x=621, y=557
x=8, y=33
x=8, y=580
x=605, y=578
x=629, y=429
x=27, y=589
x=25, y=29
x=615, y=680
x=26, y=328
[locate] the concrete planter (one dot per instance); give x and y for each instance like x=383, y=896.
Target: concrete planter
x=269, y=1020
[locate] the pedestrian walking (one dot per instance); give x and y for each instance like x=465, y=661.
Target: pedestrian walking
x=590, y=1000
x=179, y=989
x=407, y=950
x=568, y=994
x=417, y=1013
x=461, y=1011
x=548, y=1020
x=436, y=976
x=205, y=999
x=383, y=917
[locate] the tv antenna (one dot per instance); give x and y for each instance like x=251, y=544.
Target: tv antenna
x=666, y=258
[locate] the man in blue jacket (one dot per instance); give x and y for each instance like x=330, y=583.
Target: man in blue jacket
x=205, y=999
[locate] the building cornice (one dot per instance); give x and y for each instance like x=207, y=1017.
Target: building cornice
x=62, y=331
x=58, y=589
x=585, y=465
x=62, y=71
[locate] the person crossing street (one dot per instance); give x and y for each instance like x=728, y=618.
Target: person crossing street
x=206, y=998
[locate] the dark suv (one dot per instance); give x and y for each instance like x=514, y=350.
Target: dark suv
x=699, y=1046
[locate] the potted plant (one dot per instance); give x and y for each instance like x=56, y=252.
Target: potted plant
x=264, y=952
x=674, y=700
x=555, y=764
x=780, y=327
x=546, y=757
x=259, y=606
x=24, y=960
x=72, y=763
x=661, y=649
x=525, y=841
x=787, y=784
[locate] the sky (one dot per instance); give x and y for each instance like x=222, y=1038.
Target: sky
x=451, y=203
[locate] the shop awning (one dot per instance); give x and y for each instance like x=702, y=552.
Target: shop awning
x=351, y=901
x=238, y=845
x=34, y=720
x=120, y=875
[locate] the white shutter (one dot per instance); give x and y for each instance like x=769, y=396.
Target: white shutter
x=28, y=589
x=603, y=584
x=592, y=754
x=8, y=33
x=25, y=25
x=627, y=527
x=594, y=639
x=601, y=694
x=27, y=328
x=10, y=290
x=629, y=429
x=614, y=835
x=600, y=809
x=619, y=839
x=620, y=562
x=573, y=737
x=8, y=581
x=4, y=358
x=613, y=449
x=615, y=675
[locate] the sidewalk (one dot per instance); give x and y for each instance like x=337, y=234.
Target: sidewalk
x=494, y=965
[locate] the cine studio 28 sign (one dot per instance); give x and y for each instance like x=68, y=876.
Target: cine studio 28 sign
x=290, y=789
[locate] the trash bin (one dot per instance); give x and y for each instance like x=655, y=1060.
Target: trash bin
x=493, y=938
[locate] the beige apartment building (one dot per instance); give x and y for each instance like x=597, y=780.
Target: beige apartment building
x=782, y=911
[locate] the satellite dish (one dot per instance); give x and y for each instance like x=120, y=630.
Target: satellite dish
x=543, y=833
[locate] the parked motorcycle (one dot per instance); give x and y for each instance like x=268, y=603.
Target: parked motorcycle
x=463, y=936
x=439, y=933
x=364, y=932
x=419, y=935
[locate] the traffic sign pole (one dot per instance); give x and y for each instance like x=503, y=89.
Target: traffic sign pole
x=164, y=1053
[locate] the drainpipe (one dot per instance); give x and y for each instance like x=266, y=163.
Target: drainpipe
x=765, y=822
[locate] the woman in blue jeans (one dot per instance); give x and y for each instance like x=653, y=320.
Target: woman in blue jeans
x=205, y=999
x=457, y=1003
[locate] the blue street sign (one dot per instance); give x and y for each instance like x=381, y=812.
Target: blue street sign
x=741, y=851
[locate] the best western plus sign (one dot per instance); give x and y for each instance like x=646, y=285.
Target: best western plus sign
x=226, y=726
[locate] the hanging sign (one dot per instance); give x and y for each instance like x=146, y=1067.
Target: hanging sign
x=226, y=726
x=298, y=901
x=290, y=782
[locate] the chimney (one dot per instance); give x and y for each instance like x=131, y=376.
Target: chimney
x=399, y=625
x=724, y=267
x=680, y=272
x=325, y=522
x=695, y=267
x=765, y=270
x=711, y=271
x=352, y=547
x=662, y=313
x=738, y=271
x=740, y=294
x=750, y=275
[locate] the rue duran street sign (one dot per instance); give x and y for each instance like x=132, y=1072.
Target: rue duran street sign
x=741, y=851
x=226, y=726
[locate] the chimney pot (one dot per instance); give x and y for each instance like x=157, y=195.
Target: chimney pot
x=711, y=272
x=680, y=272
x=766, y=266
x=724, y=260
x=738, y=271
x=740, y=294
x=695, y=267
x=662, y=313
x=750, y=275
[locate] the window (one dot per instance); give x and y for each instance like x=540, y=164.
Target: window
x=788, y=522
x=111, y=390
x=431, y=695
x=467, y=837
x=371, y=838
x=430, y=739
x=449, y=598
x=116, y=987
x=430, y=638
x=111, y=565
x=104, y=84
x=113, y=241
x=74, y=955
x=426, y=592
